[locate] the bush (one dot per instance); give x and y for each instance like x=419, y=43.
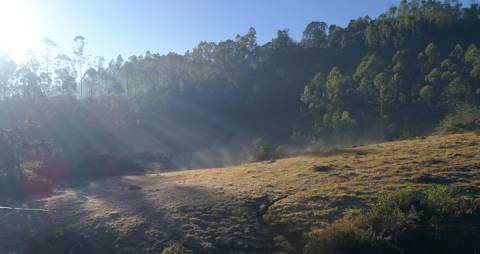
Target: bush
x=344, y=238
x=412, y=221
x=465, y=118
x=20, y=157
x=261, y=151
x=31, y=168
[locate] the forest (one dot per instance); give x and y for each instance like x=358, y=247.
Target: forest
x=402, y=74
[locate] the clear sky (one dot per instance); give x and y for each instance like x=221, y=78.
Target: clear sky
x=128, y=27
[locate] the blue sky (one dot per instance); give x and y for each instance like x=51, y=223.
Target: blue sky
x=133, y=26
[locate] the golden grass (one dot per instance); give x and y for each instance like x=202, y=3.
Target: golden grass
x=253, y=207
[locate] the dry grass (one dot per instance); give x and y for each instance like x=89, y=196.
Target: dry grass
x=262, y=207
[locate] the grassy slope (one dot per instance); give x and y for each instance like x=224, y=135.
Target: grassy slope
x=256, y=207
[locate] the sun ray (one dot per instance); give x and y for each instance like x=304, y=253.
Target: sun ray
x=19, y=28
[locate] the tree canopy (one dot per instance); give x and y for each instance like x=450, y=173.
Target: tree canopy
x=395, y=75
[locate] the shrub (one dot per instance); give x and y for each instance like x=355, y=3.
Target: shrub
x=29, y=167
x=393, y=213
x=465, y=118
x=344, y=238
x=411, y=221
x=20, y=158
x=440, y=198
x=262, y=151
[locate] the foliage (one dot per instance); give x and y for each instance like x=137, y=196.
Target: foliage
x=21, y=161
x=30, y=167
x=391, y=76
x=465, y=118
x=344, y=238
x=262, y=151
x=414, y=221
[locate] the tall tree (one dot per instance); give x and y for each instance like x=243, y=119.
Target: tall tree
x=45, y=76
x=7, y=69
x=79, y=59
x=315, y=35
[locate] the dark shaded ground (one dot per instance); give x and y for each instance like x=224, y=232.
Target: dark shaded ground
x=118, y=216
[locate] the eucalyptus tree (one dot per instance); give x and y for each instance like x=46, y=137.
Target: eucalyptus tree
x=7, y=70
x=46, y=74
x=79, y=59
x=65, y=75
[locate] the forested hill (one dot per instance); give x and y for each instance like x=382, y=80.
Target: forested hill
x=390, y=76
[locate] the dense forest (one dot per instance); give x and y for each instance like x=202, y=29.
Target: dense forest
x=393, y=76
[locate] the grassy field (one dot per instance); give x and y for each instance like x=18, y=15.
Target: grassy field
x=260, y=207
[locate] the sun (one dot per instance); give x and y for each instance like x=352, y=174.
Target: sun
x=19, y=29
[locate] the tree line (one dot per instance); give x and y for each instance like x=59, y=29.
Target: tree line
x=392, y=76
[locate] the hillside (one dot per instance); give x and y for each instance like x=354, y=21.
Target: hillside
x=252, y=208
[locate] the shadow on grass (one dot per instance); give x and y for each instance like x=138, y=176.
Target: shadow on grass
x=123, y=217
x=334, y=151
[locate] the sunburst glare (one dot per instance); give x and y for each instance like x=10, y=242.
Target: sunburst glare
x=19, y=28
